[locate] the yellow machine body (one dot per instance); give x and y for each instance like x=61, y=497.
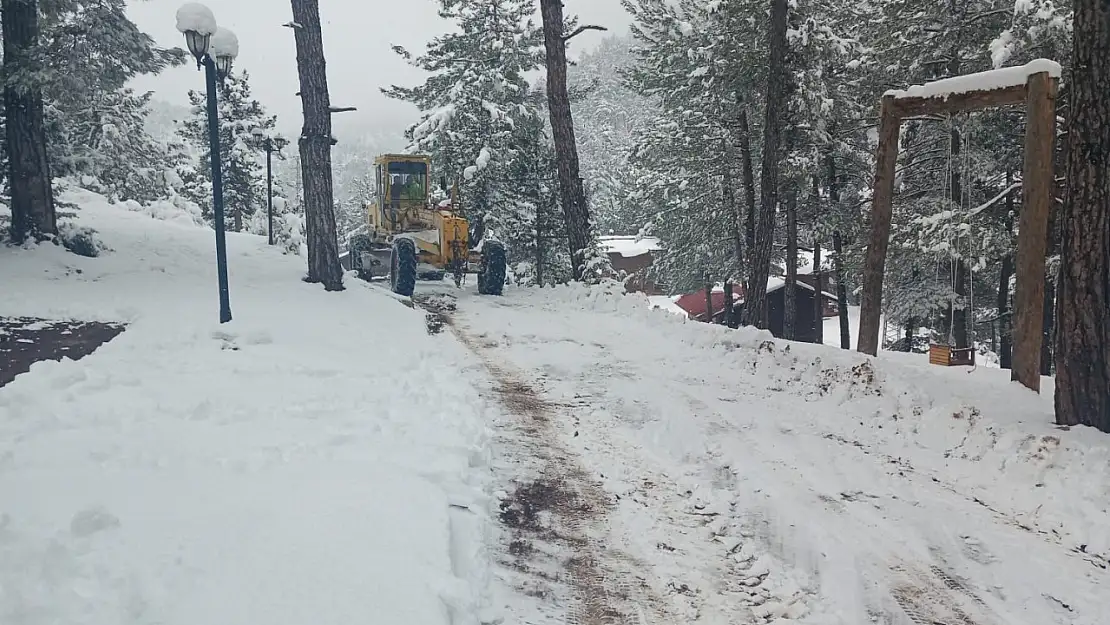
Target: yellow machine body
x=403, y=206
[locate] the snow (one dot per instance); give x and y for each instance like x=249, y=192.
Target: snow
x=981, y=81
x=326, y=458
x=196, y=17
x=299, y=464
x=853, y=478
x=667, y=303
x=629, y=246
x=224, y=43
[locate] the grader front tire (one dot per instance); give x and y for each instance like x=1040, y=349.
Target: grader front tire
x=402, y=267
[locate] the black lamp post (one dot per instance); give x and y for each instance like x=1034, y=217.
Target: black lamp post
x=215, y=49
x=268, y=145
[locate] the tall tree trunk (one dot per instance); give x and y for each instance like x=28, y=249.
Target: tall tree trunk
x=562, y=130
x=730, y=313
x=841, y=292
x=838, y=256
x=747, y=170
x=819, y=288
x=708, y=299
x=315, y=147
x=1083, y=291
x=32, y=197
x=1047, y=325
x=957, y=310
x=777, y=86
x=1005, y=321
x=790, y=295
x=732, y=206
x=818, y=295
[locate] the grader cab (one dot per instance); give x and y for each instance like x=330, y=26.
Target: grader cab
x=409, y=237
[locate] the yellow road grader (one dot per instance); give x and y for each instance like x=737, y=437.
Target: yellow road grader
x=417, y=238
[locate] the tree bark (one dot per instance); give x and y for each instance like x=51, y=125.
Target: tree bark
x=562, y=129
x=790, y=295
x=882, y=201
x=315, y=147
x=1047, y=324
x=730, y=313
x=32, y=197
x=1083, y=297
x=1005, y=322
x=818, y=297
x=708, y=299
x=958, y=309
x=838, y=257
x=747, y=170
x=777, y=87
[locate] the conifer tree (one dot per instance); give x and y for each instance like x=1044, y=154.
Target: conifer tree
x=241, y=153
x=478, y=118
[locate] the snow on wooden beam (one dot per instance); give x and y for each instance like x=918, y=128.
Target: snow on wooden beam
x=971, y=92
x=960, y=102
x=991, y=80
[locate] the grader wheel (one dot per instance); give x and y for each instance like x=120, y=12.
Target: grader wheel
x=402, y=267
x=491, y=272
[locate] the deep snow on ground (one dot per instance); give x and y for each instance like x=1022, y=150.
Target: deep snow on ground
x=324, y=459
x=297, y=465
x=852, y=489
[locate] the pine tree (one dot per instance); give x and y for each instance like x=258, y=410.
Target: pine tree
x=242, y=155
x=479, y=118
x=91, y=51
x=32, y=200
x=1083, y=338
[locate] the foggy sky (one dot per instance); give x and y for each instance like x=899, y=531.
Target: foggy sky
x=358, y=35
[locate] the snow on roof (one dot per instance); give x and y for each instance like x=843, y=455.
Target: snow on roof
x=774, y=284
x=981, y=81
x=630, y=246
x=667, y=303
x=195, y=17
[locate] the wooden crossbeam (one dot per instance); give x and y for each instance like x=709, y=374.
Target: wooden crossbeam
x=960, y=102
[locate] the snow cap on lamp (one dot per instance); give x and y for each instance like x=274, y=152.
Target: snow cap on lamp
x=198, y=24
x=224, y=47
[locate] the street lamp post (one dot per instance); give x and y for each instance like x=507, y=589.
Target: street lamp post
x=215, y=49
x=268, y=145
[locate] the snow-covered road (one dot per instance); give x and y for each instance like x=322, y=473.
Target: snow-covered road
x=742, y=487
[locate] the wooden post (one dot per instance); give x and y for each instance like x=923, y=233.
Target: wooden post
x=1038, y=183
x=882, y=200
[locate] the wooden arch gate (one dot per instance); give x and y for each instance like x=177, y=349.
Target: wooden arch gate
x=1035, y=84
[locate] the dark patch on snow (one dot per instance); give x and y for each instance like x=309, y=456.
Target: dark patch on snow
x=27, y=340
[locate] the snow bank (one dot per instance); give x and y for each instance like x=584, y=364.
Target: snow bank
x=974, y=429
x=980, y=81
x=319, y=459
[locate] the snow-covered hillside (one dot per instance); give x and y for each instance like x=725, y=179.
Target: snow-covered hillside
x=551, y=456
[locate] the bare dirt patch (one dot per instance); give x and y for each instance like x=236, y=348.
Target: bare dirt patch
x=27, y=340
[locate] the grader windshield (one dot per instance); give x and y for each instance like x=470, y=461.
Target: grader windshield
x=408, y=182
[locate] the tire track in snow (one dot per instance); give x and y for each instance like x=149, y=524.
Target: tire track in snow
x=558, y=516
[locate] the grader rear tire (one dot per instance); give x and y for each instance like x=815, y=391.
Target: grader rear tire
x=491, y=272
x=402, y=267
x=360, y=243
